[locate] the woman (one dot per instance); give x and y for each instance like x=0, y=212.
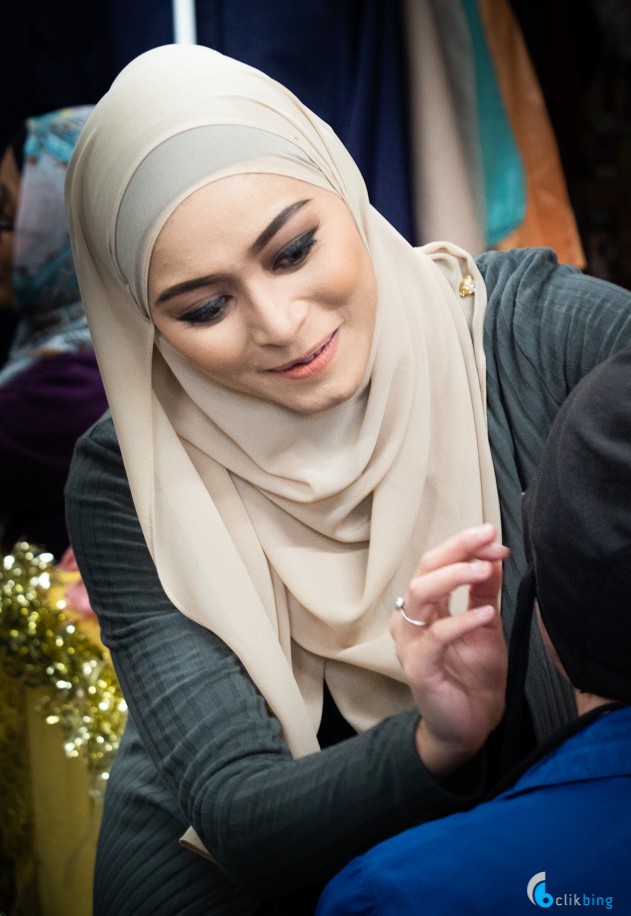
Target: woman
x=301, y=408
x=50, y=387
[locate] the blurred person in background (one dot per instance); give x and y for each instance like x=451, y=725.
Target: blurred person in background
x=50, y=386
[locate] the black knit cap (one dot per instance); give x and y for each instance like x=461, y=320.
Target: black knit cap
x=577, y=522
x=577, y=534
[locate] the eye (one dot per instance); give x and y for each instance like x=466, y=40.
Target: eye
x=296, y=252
x=208, y=313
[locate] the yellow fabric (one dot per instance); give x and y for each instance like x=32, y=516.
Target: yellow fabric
x=66, y=821
x=549, y=219
x=287, y=535
x=51, y=806
x=50, y=818
x=18, y=872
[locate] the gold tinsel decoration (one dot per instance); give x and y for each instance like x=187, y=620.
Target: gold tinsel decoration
x=42, y=645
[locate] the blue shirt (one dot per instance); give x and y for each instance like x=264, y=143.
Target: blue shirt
x=559, y=839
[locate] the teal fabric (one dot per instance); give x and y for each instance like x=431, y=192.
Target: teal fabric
x=458, y=52
x=504, y=180
x=45, y=287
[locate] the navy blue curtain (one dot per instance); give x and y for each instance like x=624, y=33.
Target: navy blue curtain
x=343, y=58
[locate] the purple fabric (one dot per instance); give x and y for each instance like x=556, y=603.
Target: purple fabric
x=42, y=413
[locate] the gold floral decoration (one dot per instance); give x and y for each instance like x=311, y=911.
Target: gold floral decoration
x=44, y=645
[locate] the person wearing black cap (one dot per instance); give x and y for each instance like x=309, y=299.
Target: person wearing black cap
x=556, y=831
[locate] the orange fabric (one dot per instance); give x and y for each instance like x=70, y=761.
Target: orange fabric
x=549, y=219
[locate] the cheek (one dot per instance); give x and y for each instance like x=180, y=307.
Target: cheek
x=361, y=285
x=350, y=278
x=214, y=350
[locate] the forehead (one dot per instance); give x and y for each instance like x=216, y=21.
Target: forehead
x=229, y=223
x=184, y=163
x=241, y=206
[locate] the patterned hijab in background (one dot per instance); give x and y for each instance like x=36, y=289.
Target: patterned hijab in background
x=46, y=292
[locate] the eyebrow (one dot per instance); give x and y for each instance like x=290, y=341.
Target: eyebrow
x=276, y=224
x=255, y=248
x=185, y=287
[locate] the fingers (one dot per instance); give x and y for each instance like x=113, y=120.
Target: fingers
x=470, y=558
x=424, y=658
x=446, y=630
x=487, y=591
x=469, y=544
x=451, y=629
x=428, y=594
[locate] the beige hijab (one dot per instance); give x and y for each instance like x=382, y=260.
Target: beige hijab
x=289, y=536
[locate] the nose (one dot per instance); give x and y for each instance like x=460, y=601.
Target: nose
x=276, y=315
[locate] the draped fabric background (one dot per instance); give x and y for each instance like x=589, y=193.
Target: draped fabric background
x=447, y=177
x=548, y=218
x=351, y=63
x=502, y=165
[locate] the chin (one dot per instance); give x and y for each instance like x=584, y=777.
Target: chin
x=320, y=401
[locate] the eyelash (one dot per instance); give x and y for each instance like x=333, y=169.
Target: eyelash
x=209, y=312
x=297, y=252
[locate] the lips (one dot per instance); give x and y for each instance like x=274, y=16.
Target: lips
x=313, y=362
x=305, y=360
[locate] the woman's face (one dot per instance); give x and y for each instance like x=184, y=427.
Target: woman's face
x=264, y=283
x=9, y=191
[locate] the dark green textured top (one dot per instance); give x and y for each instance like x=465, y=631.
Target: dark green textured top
x=201, y=748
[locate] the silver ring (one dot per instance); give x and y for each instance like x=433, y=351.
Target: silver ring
x=400, y=606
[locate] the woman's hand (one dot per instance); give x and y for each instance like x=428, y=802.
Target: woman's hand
x=455, y=665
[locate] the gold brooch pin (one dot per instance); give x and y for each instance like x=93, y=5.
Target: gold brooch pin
x=467, y=286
